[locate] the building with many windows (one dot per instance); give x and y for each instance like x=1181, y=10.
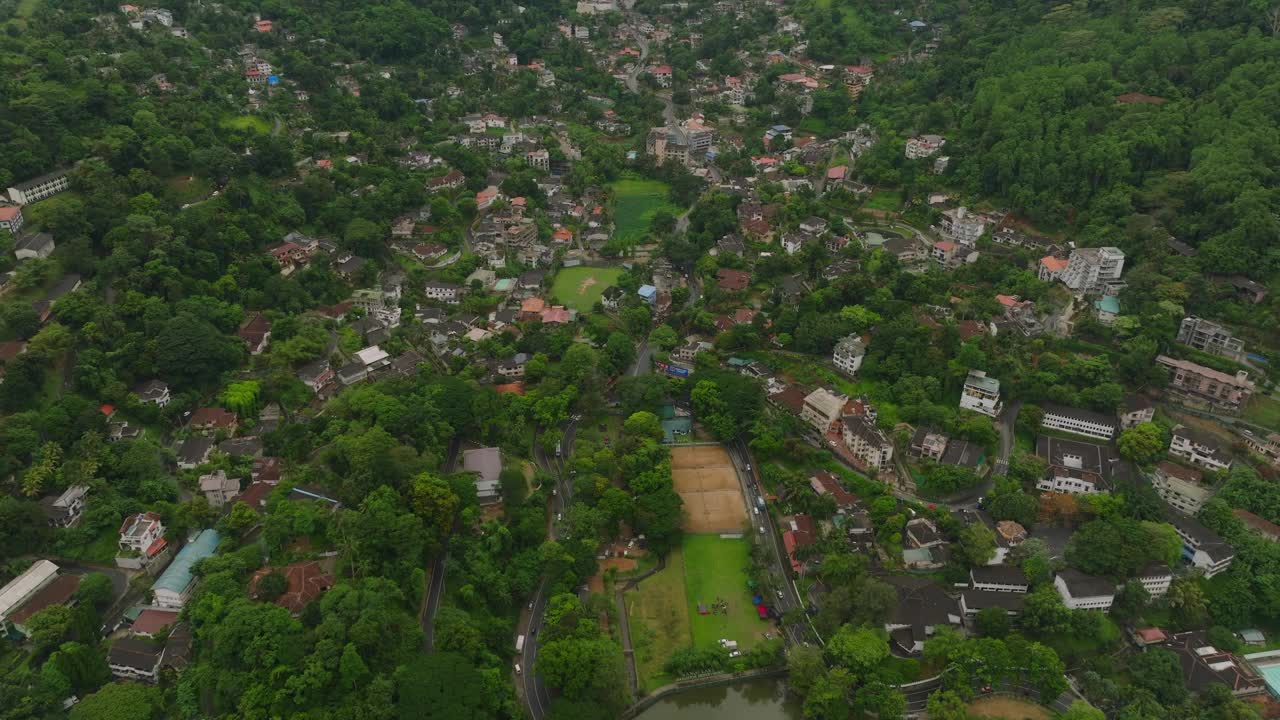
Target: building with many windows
x=1199, y=448
x=1080, y=422
x=1180, y=486
x=1201, y=547
x=867, y=442
x=822, y=407
x=847, y=357
x=1206, y=387
x=1077, y=468
x=39, y=188
x=1210, y=337
x=1084, y=592
x=1092, y=270
x=981, y=394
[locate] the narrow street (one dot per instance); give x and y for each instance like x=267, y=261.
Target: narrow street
x=435, y=582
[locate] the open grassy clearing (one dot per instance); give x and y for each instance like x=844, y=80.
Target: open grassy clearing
x=1263, y=410
x=580, y=287
x=254, y=123
x=885, y=200
x=636, y=202
x=659, y=620
x=1008, y=708
x=715, y=568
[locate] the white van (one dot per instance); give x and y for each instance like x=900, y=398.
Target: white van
x=517, y=668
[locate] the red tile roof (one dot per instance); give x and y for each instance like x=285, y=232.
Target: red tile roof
x=152, y=621
x=307, y=580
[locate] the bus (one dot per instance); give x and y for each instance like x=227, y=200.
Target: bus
x=520, y=643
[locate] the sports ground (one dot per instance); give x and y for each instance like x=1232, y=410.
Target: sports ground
x=580, y=287
x=705, y=478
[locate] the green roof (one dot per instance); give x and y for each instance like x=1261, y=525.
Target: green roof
x=177, y=576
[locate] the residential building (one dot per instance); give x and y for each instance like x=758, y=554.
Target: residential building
x=1210, y=337
x=866, y=442
x=1136, y=410
x=1200, y=448
x=140, y=532
x=848, y=354
x=11, y=219
x=194, y=452
x=1268, y=447
x=928, y=443
x=798, y=532
x=973, y=602
x=822, y=407
x=1092, y=270
x=1084, y=592
x=316, y=375
x=961, y=226
x=1260, y=525
x=923, y=606
x=134, y=658
x=999, y=578
x=218, y=488
x=1077, y=468
x=1092, y=424
x=306, y=580
x=1052, y=268
x=1204, y=666
x=921, y=532
x=39, y=188
x=981, y=394
x=944, y=252
x=486, y=463
x=824, y=483
x=923, y=146
x=33, y=247
x=1180, y=486
x=538, y=160
x=444, y=292
x=63, y=510
x=209, y=420
x=19, y=591
x=1204, y=386
x=173, y=588
x=1156, y=578
x=1201, y=547
x=256, y=332
x=729, y=280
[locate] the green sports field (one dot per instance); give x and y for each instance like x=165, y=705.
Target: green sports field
x=580, y=287
x=635, y=204
x=715, y=568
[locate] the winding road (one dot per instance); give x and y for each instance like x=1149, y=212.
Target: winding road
x=435, y=586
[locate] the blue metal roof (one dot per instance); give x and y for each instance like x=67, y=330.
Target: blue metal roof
x=177, y=576
x=647, y=291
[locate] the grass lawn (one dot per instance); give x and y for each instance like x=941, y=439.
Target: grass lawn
x=101, y=550
x=716, y=568
x=580, y=287
x=636, y=202
x=255, y=123
x=659, y=620
x=1263, y=410
x=885, y=200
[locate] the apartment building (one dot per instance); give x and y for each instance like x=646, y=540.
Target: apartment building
x=962, y=226
x=1180, y=486
x=1092, y=270
x=847, y=357
x=1204, y=386
x=923, y=146
x=1210, y=337
x=1077, y=468
x=1084, y=592
x=39, y=188
x=1201, y=547
x=981, y=394
x=1156, y=578
x=867, y=442
x=822, y=407
x=1135, y=410
x=1096, y=425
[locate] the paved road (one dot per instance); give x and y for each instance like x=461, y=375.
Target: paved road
x=644, y=360
x=435, y=588
x=536, y=698
x=1006, y=424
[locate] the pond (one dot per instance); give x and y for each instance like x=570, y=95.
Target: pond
x=764, y=699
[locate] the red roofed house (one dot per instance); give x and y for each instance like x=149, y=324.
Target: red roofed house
x=944, y=251
x=1051, y=268
x=263, y=26
x=730, y=280
x=212, y=419
x=515, y=388
x=11, y=219
x=486, y=197
x=141, y=540
x=307, y=580
x=802, y=534
x=256, y=331
x=1260, y=525
x=662, y=74
x=824, y=483
x=531, y=308
x=555, y=315
x=563, y=235
x=837, y=173
x=152, y=621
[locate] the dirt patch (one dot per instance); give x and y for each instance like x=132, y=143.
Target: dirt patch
x=491, y=512
x=622, y=565
x=585, y=285
x=706, y=480
x=1008, y=708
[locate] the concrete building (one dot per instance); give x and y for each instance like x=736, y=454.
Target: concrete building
x=1092, y=270
x=999, y=578
x=1210, y=337
x=923, y=146
x=1077, y=468
x=1206, y=387
x=847, y=357
x=962, y=226
x=981, y=394
x=1199, y=448
x=11, y=219
x=1180, y=486
x=1080, y=422
x=1084, y=592
x=1202, y=548
x=486, y=463
x=1136, y=410
x=173, y=588
x=39, y=188
x=218, y=488
x=21, y=589
x=1156, y=579
x=33, y=247
x=867, y=442
x=822, y=407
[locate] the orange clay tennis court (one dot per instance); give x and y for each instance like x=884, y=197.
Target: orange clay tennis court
x=704, y=477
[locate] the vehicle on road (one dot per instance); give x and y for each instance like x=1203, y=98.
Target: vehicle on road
x=517, y=668
x=520, y=643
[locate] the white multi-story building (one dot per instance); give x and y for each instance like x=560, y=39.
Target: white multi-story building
x=1081, y=422
x=999, y=578
x=821, y=408
x=1182, y=487
x=1156, y=578
x=1076, y=468
x=1199, y=448
x=962, y=226
x=39, y=188
x=1091, y=270
x=1084, y=592
x=1201, y=547
x=867, y=442
x=923, y=146
x=981, y=394
x=1136, y=410
x=538, y=159
x=1210, y=337
x=442, y=291
x=847, y=357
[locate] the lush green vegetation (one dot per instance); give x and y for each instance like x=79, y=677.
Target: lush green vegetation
x=715, y=570
x=636, y=203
